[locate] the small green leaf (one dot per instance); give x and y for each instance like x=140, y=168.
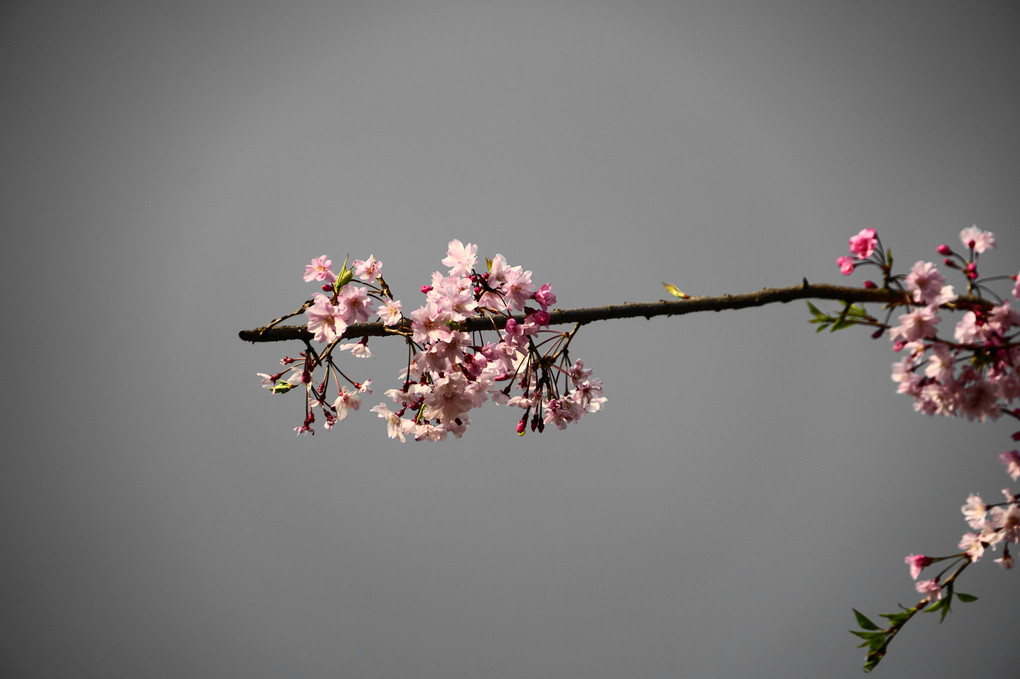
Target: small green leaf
x=281, y=387
x=863, y=621
x=814, y=310
x=675, y=291
x=966, y=598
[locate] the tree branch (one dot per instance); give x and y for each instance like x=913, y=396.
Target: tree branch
x=677, y=307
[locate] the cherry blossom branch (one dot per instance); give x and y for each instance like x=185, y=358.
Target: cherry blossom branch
x=648, y=310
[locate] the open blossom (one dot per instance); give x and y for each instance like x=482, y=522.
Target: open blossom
x=367, y=269
x=356, y=303
x=345, y=402
x=319, y=270
x=977, y=239
x=972, y=545
x=429, y=324
x=927, y=285
x=325, y=319
x=915, y=325
x=846, y=265
x=359, y=349
x=389, y=312
x=980, y=402
x=1011, y=458
x=396, y=426
x=460, y=258
x=930, y=589
x=863, y=244
x=974, y=511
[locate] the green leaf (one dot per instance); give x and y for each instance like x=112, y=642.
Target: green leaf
x=863, y=621
x=813, y=309
x=675, y=291
x=281, y=387
x=966, y=598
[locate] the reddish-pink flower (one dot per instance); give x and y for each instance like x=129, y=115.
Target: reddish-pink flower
x=917, y=563
x=846, y=265
x=863, y=244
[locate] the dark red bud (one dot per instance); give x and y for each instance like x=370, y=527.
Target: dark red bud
x=944, y=250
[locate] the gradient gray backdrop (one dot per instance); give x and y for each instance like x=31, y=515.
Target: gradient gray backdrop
x=169, y=168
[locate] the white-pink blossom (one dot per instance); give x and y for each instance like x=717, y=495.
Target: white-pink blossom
x=979, y=240
x=325, y=319
x=368, y=270
x=915, y=325
x=319, y=270
x=460, y=258
x=927, y=286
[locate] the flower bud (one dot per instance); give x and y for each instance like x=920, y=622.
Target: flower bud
x=944, y=250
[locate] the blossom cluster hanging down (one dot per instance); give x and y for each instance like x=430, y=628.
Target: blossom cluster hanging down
x=973, y=375
x=450, y=371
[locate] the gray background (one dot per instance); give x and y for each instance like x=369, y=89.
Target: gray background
x=169, y=168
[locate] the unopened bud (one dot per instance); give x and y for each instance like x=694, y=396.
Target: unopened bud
x=944, y=250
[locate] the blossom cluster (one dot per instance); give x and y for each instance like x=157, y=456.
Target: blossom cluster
x=991, y=525
x=450, y=371
x=974, y=375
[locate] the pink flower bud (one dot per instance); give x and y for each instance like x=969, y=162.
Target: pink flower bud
x=870, y=285
x=425, y=289
x=944, y=250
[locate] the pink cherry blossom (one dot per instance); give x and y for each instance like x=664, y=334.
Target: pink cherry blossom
x=545, y=297
x=367, y=270
x=429, y=324
x=974, y=511
x=863, y=244
x=930, y=589
x=925, y=283
x=357, y=305
x=389, y=312
x=319, y=270
x=978, y=240
x=1011, y=458
x=846, y=265
x=972, y=545
x=917, y=563
x=325, y=319
x=915, y=325
x=347, y=400
x=460, y=258
x=979, y=401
